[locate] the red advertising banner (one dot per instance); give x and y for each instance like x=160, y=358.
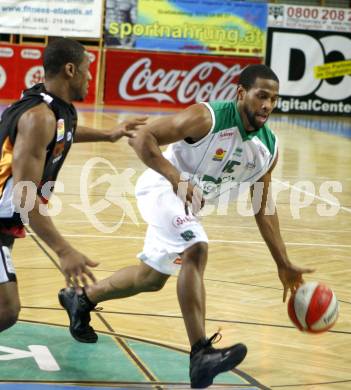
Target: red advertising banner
x=8, y=72
x=21, y=68
x=170, y=80
x=29, y=66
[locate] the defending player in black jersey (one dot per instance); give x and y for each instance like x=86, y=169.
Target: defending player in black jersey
x=36, y=133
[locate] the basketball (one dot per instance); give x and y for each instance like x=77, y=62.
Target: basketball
x=313, y=308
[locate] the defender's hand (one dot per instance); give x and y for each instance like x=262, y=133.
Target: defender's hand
x=127, y=128
x=75, y=267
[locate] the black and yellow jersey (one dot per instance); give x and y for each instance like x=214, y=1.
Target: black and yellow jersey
x=57, y=149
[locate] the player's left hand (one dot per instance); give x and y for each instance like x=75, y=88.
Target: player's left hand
x=127, y=128
x=291, y=277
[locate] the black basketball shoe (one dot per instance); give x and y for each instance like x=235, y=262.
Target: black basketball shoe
x=78, y=308
x=206, y=362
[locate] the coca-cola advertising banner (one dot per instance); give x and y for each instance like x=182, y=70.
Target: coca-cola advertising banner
x=21, y=68
x=170, y=80
x=194, y=26
x=312, y=61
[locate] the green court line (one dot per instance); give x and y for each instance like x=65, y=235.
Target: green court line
x=77, y=361
x=101, y=363
x=173, y=366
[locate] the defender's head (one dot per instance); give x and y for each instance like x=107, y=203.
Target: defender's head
x=257, y=95
x=67, y=59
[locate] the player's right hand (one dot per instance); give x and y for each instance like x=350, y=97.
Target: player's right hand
x=75, y=267
x=191, y=195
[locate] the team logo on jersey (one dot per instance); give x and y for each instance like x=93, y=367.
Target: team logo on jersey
x=188, y=235
x=219, y=155
x=60, y=130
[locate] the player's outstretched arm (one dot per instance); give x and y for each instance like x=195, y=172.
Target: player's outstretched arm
x=267, y=221
x=126, y=128
x=193, y=122
x=36, y=129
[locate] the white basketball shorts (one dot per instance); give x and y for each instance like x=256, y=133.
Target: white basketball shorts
x=170, y=231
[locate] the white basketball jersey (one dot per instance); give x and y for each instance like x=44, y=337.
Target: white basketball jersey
x=227, y=160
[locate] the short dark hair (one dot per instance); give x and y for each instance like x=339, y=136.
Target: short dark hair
x=249, y=75
x=61, y=51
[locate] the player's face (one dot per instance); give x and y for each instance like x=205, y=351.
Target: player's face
x=82, y=78
x=258, y=102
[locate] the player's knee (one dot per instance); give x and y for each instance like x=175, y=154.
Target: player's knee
x=8, y=316
x=196, y=254
x=154, y=285
x=151, y=280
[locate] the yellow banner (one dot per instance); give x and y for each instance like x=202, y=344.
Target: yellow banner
x=332, y=69
x=190, y=26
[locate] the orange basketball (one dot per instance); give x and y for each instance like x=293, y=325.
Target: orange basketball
x=313, y=308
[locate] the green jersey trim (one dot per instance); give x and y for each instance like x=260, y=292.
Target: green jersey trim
x=226, y=115
x=223, y=114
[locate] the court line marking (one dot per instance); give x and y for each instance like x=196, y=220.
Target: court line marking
x=313, y=195
x=131, y=354
x=143, y=168
x=178, y=317
x=216, y=241
x=286, y=202
x=311, y=384
x=347, y=209
x=247, y=377
x=208, y=225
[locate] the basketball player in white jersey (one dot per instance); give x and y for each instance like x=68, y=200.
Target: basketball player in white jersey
x=214, y=148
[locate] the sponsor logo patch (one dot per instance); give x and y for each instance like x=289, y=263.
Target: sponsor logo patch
x=180, y=220
x=178, y=261
x=58, y=150
x=219, y=155
x=60, y=130
x=237, y=152
x=226, y=134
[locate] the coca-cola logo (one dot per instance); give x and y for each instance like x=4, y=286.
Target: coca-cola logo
x=140, y=81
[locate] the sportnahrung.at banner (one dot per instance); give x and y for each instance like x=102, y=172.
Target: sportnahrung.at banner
x=73, y=18
x=189, y=26
x=310, y=50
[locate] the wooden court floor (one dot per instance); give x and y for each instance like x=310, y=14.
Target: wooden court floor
x=244, y=294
